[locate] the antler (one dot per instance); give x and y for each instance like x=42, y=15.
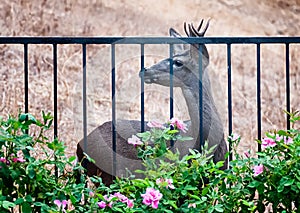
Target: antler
x=193, y=32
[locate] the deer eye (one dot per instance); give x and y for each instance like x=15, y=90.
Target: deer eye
x=177, y=63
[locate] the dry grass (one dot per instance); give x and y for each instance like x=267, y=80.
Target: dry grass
x=131, y=18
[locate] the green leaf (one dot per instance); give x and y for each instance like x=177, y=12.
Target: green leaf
x=219, y=164
x=289, y=182
x=211, y=209
x=282, y=132
x=30, y=171
x=19, y=201
x=173, y=204
x=254, y=184
x=144, y=135
x=26, y=208
x=280, y=188
x=71, y=159
x=183, y=192
x=205, y=191
x=192, y=188
x=7, y=205
x=73, y=199
x=173, y=131
x=219, y=208
x=195, y=197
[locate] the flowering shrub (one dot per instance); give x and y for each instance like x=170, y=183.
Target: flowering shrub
x=192, y=183
x=272, y=178
x=28, y=183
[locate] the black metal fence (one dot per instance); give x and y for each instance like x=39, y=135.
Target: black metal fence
x=113, y=41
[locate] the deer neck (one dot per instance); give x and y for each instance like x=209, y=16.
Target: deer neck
x=191, y=95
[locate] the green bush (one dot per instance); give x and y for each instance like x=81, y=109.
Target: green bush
x=27, y=181
x=51, y=182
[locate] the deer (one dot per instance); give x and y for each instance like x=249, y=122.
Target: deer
x=185, y=62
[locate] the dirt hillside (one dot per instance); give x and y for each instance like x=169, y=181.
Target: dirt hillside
x=145, y=18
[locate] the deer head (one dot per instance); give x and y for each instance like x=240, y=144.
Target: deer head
x=185, y=60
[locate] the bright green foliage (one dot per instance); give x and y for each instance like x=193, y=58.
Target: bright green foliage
x=28, y=181
x=51, y=182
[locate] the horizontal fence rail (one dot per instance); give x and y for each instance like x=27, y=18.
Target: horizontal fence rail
x=84, y=41
x=148, y=40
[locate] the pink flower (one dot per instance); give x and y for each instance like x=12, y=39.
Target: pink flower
x=258, y=170
x=192, y=205
x=91, y=194
x=159, y=181
x=134, y=140
x=129, y=203
x=3, y=159
x=19, y=158
x=101, y=204
x=155, y=124
x=152, y=197
x=120, y=198
x=288, y=140
x=62, y=204
x=179, y=124
x=234, y=137
x=169, y=182
x=268, y=142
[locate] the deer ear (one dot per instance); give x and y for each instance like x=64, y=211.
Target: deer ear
x=194, y=51
x=178, y=48
x=174, y=33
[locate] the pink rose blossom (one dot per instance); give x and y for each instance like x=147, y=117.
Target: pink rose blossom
x=120, y=198
x=170, y=185
x=91, y=194
x=129, y=203
x=19, y=157
x=268, y=142
x=60, y=204
x=3, y=159
x=101, y=204
x=258, y=170
x=288, y=140
x=152, y=197
x=179, y=124
x=155, y=124
x=134, y=140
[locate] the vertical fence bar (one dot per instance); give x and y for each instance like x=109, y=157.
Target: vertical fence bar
x=287, y=78
x=229, y=96
x=171, y=81
x=55, y=88
x=113, y=113
x=171, y=50
x=55, y=96
x=142, y=88
x=201, y=136
x=26, y=77
x=84, y=103
x=258, y=91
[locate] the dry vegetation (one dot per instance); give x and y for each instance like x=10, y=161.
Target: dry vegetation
x=145, y=18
